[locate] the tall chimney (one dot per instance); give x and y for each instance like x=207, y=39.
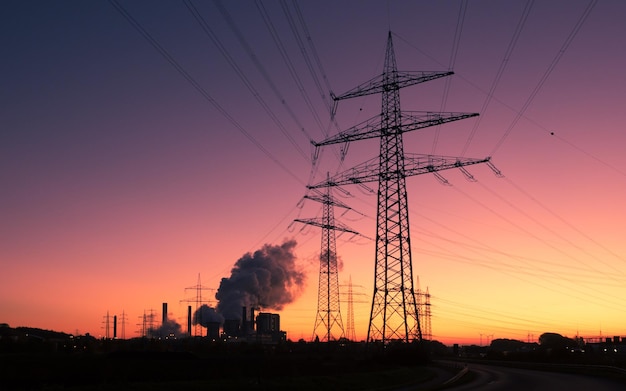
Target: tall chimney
x=252, y=318
x=189, y=320
x=244, y=322
x=114, y=326
x=164, y=313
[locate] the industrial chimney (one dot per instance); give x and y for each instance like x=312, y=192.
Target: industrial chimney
x=189, y=320
x=244, y=322
x=164, y=314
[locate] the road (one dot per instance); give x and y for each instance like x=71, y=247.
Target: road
x=511, y=379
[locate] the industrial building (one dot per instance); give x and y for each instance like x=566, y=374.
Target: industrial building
x=264, y=328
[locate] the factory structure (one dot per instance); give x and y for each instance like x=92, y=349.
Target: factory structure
x=262, y=328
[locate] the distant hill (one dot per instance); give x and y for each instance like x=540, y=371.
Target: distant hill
x=30, y=332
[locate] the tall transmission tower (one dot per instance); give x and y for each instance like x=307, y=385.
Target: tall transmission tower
x=328, y=318
x=394, y=313
x=199, y=300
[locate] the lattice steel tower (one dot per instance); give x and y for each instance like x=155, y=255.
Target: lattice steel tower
x=199, y=300
x=394, y=313
x=328, y=318
x=350, y=333
x=428, y=330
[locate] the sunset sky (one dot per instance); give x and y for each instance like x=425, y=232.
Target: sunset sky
x=134, y=158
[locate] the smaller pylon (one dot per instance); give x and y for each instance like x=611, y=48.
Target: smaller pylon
x=427, y=331
x=350, y=333
x=107, y=321
x=123, y=320
x=328, y=319
x=199, y=299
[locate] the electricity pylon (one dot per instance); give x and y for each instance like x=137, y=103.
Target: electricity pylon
x=394, y=313
x=428, y=331
x=199, y=300
x=351, y=334
x=328, y=318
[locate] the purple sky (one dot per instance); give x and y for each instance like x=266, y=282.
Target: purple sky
x=121, y=181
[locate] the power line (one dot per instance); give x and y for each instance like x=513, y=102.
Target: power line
x=165, y=54
x=453, y=54
x=503, y=64
x=547, y=73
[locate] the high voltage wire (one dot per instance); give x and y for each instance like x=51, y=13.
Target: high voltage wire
x=500, y=317
x=216, y=41
x=166, y=55
x=570, y=290
x=453, y=54
x=514, y=110
x=518, y=188
x=312, y=71
x=547, y=73
x=293, y=73
x=608, y=276
x=569, y=242
x=528, y=270
x=287, y=61
x=496, y=80
x=584, y=296
x=255, y=60
x=525, y=259
x=523, y=324
x=313, y=50
x=527, y=232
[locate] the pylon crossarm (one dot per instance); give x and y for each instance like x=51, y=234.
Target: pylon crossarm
x=417, y=164
x=413, y=120
x=368, y=171
x=319, y=222
x=410, y=120
x=379, y=84
x=324, y=198
x=414, y=164
x=367, y=129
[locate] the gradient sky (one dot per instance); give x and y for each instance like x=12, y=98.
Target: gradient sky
x=121, y=182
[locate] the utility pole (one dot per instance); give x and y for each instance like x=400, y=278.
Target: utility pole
x=328, y=318
x=394, y=313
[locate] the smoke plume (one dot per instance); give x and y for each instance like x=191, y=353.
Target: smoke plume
x=169, y=328
x=205, y=315
x=268, y=279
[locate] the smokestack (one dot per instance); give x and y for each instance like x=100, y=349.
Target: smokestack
x=189, y=320
x=164, y=314
x=251, y=318
x=244, y=322
x=114, y=326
